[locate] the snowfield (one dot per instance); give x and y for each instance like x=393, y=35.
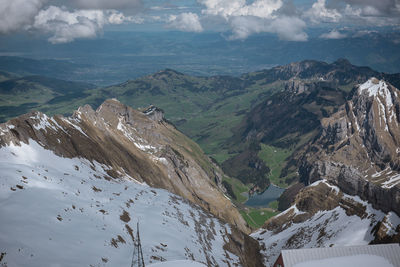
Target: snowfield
x=68, y=212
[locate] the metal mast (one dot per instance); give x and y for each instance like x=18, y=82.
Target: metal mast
x=137, y=257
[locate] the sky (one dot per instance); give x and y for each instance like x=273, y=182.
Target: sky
x=66, y=21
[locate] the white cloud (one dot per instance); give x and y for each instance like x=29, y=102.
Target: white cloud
x=15, y=14
x=229, y=8
x=66, y=26
x=243, y=27
x=376, y=7
x=256, y=17
x=290, y=29
x=105, y=4
x=188, y=22
x=320, y=13
x=116, y=17
x=334, y=34
x=369, y=15
x=287, y=28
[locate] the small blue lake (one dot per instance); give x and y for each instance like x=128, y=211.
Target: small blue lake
x=272, y=193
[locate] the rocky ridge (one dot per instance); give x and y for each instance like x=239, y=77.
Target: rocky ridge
x=358, y=148
x=139, y=146
x=351, y=175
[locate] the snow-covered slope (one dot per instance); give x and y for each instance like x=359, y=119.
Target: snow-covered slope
x=323, y=216
x=57, y=211
x=140, y=144
x=73, y=188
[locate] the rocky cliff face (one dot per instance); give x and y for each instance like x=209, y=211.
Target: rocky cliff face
x=359, y=147
x=323, y=216
x=134, y=146
x=351, y=175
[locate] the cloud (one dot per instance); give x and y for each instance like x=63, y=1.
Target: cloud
x=229, y=8
x=376, y=7
x=66, y=26
x=274, y=16
x=105, y=4
x=371, y=15
x=290, y=29
x=116, y=17
x=334, y=34
x=287, y=28
x=320, y=13
x=188, y=22
x=15, y=14
x=243, y=27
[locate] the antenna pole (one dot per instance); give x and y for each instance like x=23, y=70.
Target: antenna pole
x=137, y=256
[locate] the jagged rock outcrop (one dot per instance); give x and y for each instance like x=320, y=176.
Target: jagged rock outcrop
x=359, y=147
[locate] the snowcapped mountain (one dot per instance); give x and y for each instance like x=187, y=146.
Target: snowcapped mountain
x=352, y=177
x=359, y=147
x=72, y=190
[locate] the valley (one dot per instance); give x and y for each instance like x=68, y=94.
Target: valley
x=299, y=155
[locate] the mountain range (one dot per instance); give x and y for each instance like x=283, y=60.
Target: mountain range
x=350, y=177
x=327, y=133
x=236, y=120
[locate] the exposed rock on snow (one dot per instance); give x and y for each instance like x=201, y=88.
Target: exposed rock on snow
x=72, y=190
x=358, y=147
x=323, y=216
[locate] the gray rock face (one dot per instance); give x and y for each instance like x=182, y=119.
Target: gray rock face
x=154, y=113
x=359, y=147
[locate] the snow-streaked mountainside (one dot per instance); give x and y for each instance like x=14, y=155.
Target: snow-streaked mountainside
x=351, y=172
x=68, y=212
x=72, y=190
x=181, y=263
x=338, y=220
x=359, y=147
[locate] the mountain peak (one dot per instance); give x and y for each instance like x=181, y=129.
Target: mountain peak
x=342, y=61
x=376, y=87
x=166, y=72
x=154, y=113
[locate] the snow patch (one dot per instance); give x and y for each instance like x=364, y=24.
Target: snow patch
x=391, y=222
x=376, y=87
x=76, y=127
x=324, y=181
x=393, y=181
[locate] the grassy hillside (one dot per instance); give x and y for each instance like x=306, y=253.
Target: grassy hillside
x=23, y=94
x=250, y=125
x=238, y=121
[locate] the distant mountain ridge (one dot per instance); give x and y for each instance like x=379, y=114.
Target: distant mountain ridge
x=233, y=118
